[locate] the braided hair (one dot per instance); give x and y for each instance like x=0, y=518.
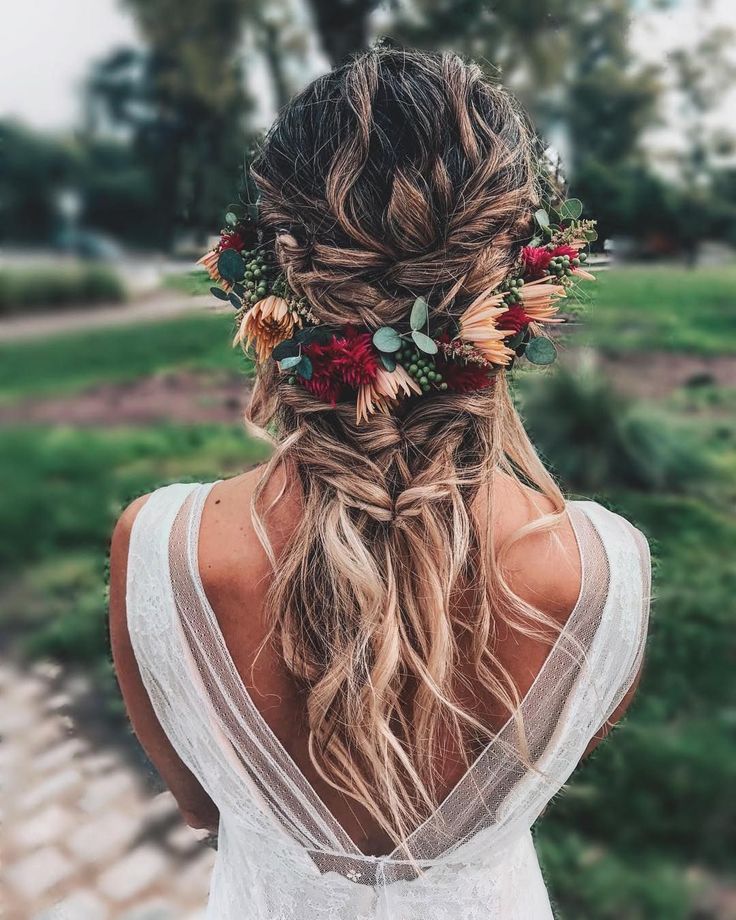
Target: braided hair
x=399, y=174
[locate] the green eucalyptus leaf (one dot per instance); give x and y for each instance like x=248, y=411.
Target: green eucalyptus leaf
x=419, y=314
x=285, y=349
x=570, y=209
x=388, y=361
x=286, y=364
x=304, y=368
x=231, y=218
x=541, y=351
x=235, y=300
x=387, y=339
x=230, y=265
x=219, y=293
x=542, y=218
x=424, y=343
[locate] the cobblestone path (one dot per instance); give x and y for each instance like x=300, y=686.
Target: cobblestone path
x=83, y=837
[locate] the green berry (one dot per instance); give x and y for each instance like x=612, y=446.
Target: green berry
x=423, y=381
x=443, y=386
x=253, y=298
x=413, y=369
x=437, y=377
x=292, y=380
x=425, y=388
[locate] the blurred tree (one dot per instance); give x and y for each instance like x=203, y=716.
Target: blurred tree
x=343, y=27
x=183, y=102
x=610, y=101
x=33, y=170
x=701, y=73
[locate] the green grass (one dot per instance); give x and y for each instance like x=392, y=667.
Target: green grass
x=671, y=308
x=67, y=363
x=194, y=282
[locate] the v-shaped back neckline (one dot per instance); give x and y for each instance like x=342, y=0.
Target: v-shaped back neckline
x=201, y=492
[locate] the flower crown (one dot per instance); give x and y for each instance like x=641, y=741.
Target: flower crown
x=381, y=366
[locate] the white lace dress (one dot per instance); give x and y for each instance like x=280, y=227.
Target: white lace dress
x=281, y=855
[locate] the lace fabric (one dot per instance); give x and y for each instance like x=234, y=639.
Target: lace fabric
x=282, y=855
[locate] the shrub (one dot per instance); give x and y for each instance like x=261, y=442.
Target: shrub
x=57, y=287
x=596, y=439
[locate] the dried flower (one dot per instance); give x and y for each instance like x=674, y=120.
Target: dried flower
x=347, y=360
x=268, y=322
x=535, y=261
x=231, y=239
x=514, y=319
x=539, y=300
x=385, y=389
x=478, y=326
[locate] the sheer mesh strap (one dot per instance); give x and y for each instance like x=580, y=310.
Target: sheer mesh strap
x=249, y=739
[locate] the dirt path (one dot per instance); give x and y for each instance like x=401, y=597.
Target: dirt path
x=162, y=305
x=185, y=397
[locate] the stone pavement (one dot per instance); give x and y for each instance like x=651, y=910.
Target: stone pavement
x=83, y=836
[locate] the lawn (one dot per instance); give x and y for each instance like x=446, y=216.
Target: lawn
x=669, y=308
x=647, y=823
x=69, y=363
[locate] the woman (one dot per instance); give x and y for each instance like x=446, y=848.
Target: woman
x=371, y=663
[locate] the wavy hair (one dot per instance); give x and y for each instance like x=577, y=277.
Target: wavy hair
x=396, y=175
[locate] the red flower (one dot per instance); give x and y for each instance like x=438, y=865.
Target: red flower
x=231, y=239
x=514, y=318
x=346, y=360
x=464, y=378
x=536, y=261
x=355, y=358
x=564, y=250
x=324, y=388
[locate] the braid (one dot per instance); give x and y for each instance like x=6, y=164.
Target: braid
x=400, y=174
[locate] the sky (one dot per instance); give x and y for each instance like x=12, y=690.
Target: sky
x=56, y=41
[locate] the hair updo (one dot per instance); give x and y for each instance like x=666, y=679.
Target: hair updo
x=397, y=175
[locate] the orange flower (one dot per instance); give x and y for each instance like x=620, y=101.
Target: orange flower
x=539, y=300
x=268, y=322
x=478, y=326
x=377, y=395
x=209, y=261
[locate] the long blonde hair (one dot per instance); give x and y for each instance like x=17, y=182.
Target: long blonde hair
x=399, y=174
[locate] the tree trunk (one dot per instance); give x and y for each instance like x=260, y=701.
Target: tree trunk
x=273, y=55
x=342, y=27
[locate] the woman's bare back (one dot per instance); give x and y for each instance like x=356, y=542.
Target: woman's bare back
x=544, y=569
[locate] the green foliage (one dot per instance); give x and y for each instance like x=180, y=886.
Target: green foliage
x=540, y=350
x=419, y=314
x=595, y=439
x=58, y=287
x=424, y=343
x=387, y=339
